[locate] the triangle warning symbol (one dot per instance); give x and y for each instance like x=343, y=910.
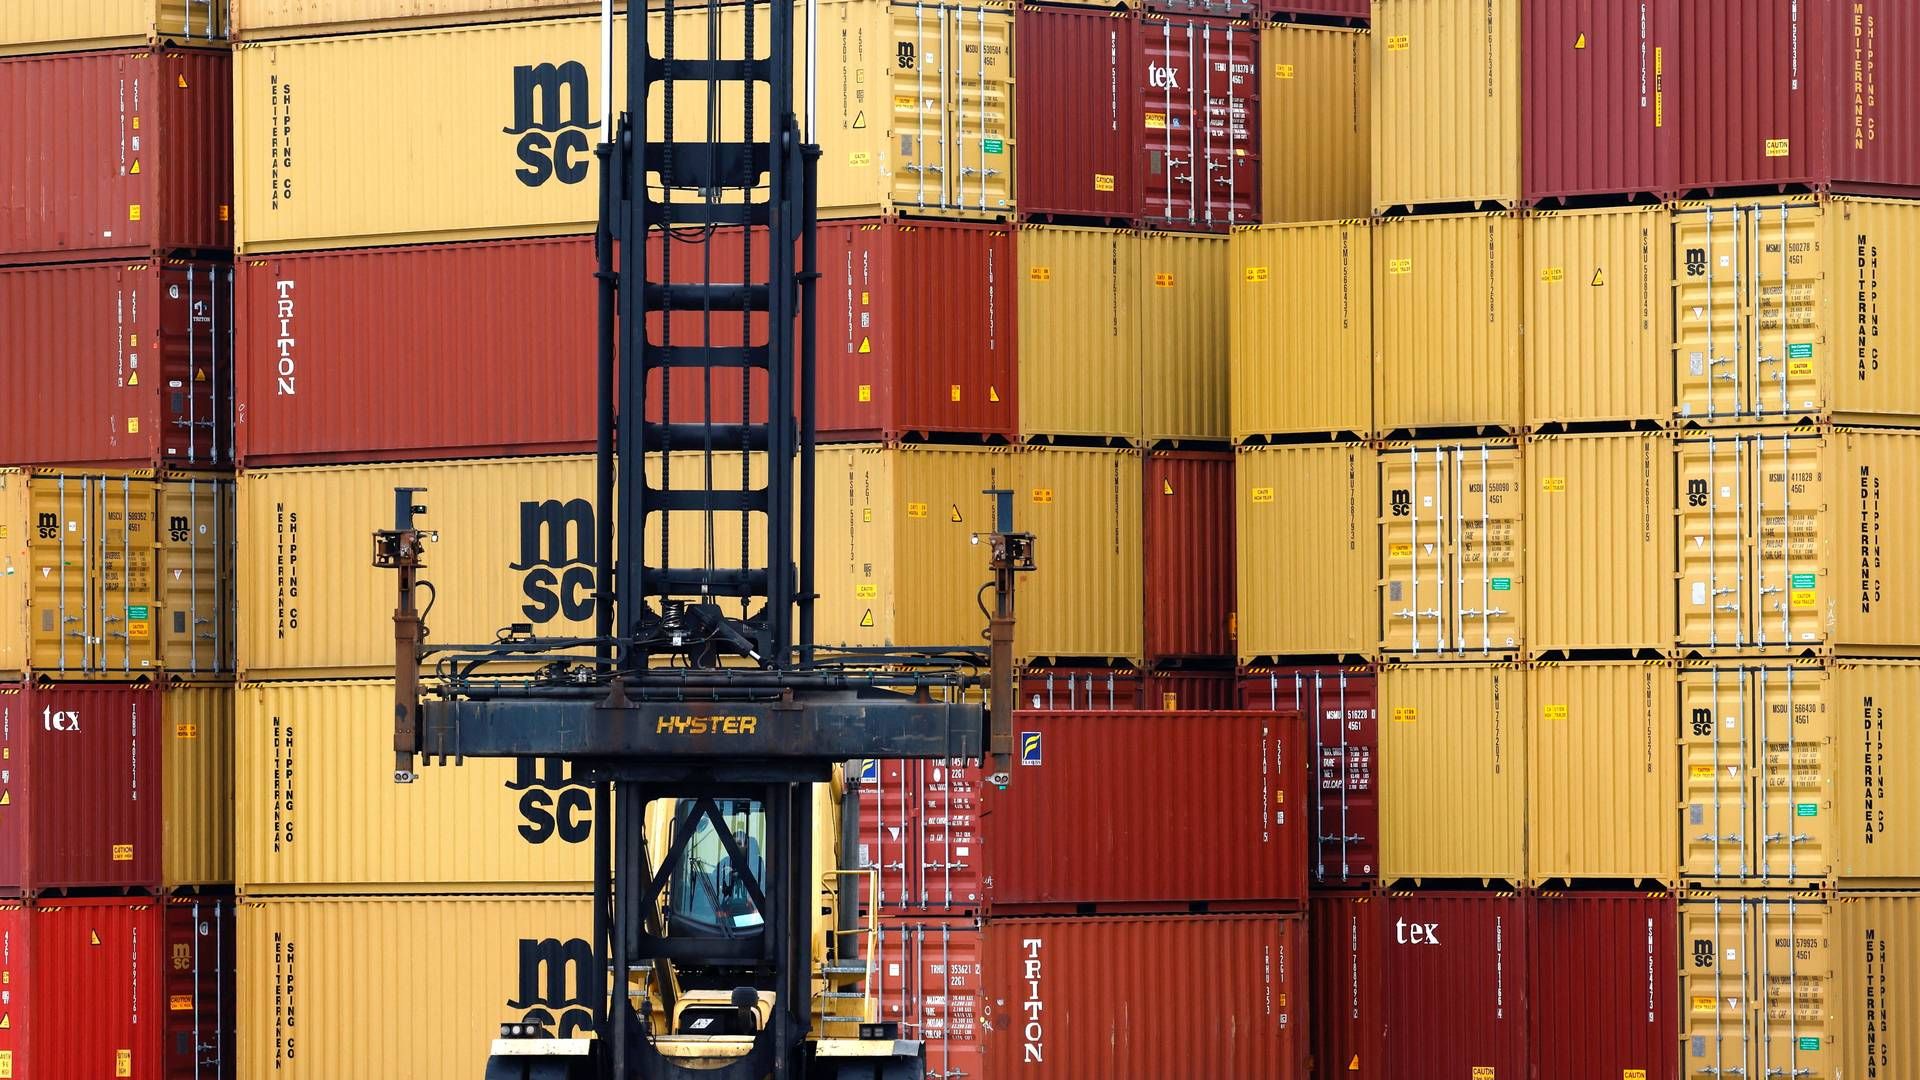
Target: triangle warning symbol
x=6, y=1021
x=6, y=798
x=993, y=393
x=867, y=619
x=866, y=345
x=1599, y=276
x=183, y=82
x=200, y=375
x=133, y=379
x=860, y=120
x=135, y=171
x=955, y=517
x=93, y=937
x=1166, y=487
x=1354, y=1065
x=1580, y=42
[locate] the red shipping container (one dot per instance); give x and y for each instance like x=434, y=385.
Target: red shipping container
x=1341, y=707
x=919, y=830
x=1455, y=985
x=1349, y=12
x=1175, y=689
x=1602, y=1002
x=117, y=987
x=1349, y=1030
x=1793, y=93
x=80, y=802
x=117, y=363
x=1078, y=689
x=118, y=154
x=916, y=331
x=929, y=982
x=1200, y=123
x=1157, y=996
x=1103, y=809
x=1189, y=547
x=1080, y=159
x=1595, y=90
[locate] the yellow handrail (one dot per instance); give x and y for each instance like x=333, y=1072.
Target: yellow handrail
x=870, y=930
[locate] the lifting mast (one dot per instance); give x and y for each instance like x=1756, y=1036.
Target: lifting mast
x=701, y=686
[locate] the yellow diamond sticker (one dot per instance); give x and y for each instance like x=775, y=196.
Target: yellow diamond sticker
x=1405, y=714
x=1256, y=274
x=1262, y=494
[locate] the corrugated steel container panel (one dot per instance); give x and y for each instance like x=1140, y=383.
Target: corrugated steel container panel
x=1876, y=793
x=1600, y=544
x=1757, y=989
x=1079, y=331
x=429, y=1010
x=1316, y=122
x=1876, y=952
x=1594, y=79
x=121, y=987
x=1300, y=329
x=319, y=813
x=920, y=834
x=1066, y=830
x=1356, y=11
x=1200, y=132
x=83, y=803
x=1452, y=584
x=1188, y=546
x=1798, y=92
x=1599, y=326
x=1051, y=688
x=1453, y=784
x=1068, y=1001
x=895, y=562
x=114, y=575
x=1446, y=102
x=930, y=982
x=1345, y=956
x=1784, y=310
x=105, y=24
x=1306, y=550
x=1080, y=91
x=263, y=19
x=1174, y=689
x=1785, y=542
x=196, y=784
x=917, y=330
x=1180, y=294
x=1456, y=997
x=118, y=155
x=1085, y=599
x=1601, y=773
x=1601, y=1004
x=1341, y=706
x=154, y=381
x=1447, y=322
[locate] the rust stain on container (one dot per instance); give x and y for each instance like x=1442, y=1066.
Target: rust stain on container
x=1300, y=330
x=1453, y=783
x=1307, y=550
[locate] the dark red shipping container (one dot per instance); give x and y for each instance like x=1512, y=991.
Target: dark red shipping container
x=1796, y=93
x=1348, y=12
x=1085, y=688
x=1175, y=689
x=1156, y=996
x=118, y=154
x=920, y=831
x=916, y=331
x=1341, y=707
x=1595, y=99
x=1349, y=1029
x=929, y=982
x=117, y=363
x=1455, y=988
x=80, y=802
x=1602, y=1002
x=1189, y=547
x=1200, y=123
x=1079, y=157
x=1126, y=810
x=117, y=987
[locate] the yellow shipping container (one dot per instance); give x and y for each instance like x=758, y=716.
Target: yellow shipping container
x=1180, y=296
x=1446, y=102
x=1453, y=789
x=1794, y=540
x=196, y=784
x=1446, y=303
x=1316, y=123
x=1599, y=542
x=263, y=19
x=415, y=987
x=1598, y=322
x=115, y=574
x=1876, y=718
x=1300, y=330
x=1079, y=333
x=1600, y=773
x=1085, y=599
x=1451, y=580
x=1795, y=308
x=1307, y=549
x=45, y=26
x=319, y=812
x=1876, y=953
x=507, y=121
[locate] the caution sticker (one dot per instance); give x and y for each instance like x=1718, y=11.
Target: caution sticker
x=139, y=631
x=1283, y=71
x=1256, y=274
x=1553, y=712
x=867, y=591
x=1553, y=275
x=1779, y=148
x=1401, y=43
x=1805, y=598
x=1405, y=714
x=1703, y=1004
x=859, y=159
x=1262, y=494
x=1102, y=181
x=1400, y=551
x=1040, y=273
x=1800, y=367
x=123, y=853
x=916, y=509
x=186, y=731
x=1399, y=266
x=865, y=392
x=1556, y=485
x=1156, y=120
x=1043, y=495
x=1483, y=1072
x=1163, y=281
x=954, y=391
x=180, y=1002
x=123, y=1063
x=1701, y=772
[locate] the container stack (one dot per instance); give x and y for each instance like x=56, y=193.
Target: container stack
x=116, y=630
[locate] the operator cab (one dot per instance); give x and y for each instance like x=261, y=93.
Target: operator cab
x=707, y=896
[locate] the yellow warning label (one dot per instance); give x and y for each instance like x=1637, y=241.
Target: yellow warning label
x=93, y=937
x=200, y=375
x=183, y=82
x=6, y=1065
x=1580, y=42
x=1705, y=1004
x=1040, y=273
x=1166, y=487
x=135, y=171
x=123, y=853
x=1043, y=495
x=1262, y=494
x=866, y=619
x=6, y=798
x=903, y=102
x=1354, y=1065
x=868, y=591
x=1553, y=275
x=865, y=298
x=1256, y=274
x=133, y=212
x=866, y=345
x=1555, y=484
x=1405, y=714
x=1701, y=772
x=1553, y=712
x=133, y=378
x=916, y=509
x=860, y=120
x=1400, y=551
x=1805, y=598
x=993, y=394
x=6, y=1021
x=186, y=731
x=1163, y=281
x=1482, y=1072
x=1633, y=1074
x=123, y=1063
x=1599, y=277
x=953, y=514
x=866, y=392
x=866, y=513
x=859, y=159
x=225, y=211
x=1102, y=181
x=1283, y=71
x=139, y=630
x=954, y=391
x=180, y=1002
x=1779, y=147
x=133, y=425
x=1399, y=266
x=1659, y=94
x=136, y=123
x=1156, y=120
x=1399, y=43
x=1799, y=367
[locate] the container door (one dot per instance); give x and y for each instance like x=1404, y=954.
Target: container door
x=949, y=797
x=129, y=576
x=1417, y=576
x=920, y=112
x=929, y=982
x=980, y=88
x=1714, y=705
x=1788, y=339
x=195, y=348
x=1343, y=721
x=1711, y=301
x=1791, y=595
x=1713, y=482
x=1793, y=762
x=1717, y=1031
x=1792, y=990
x=887, y=839
x=196, y=597
x=1486, y=549
x=62, y=554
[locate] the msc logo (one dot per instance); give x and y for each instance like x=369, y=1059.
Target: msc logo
x=1702, y=953
x=558, y=986
x=1701, y=721
x=706, y=725
x=556, y=555
x=1402, y=502
x=60, y=721
x=1697, y=493
x=47, y=526
x=1029, y=748
x=1696, y=262
x=550, y=117
x=552, y=801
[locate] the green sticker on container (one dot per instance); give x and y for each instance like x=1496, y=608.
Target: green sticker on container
x=1809, y=1042
x=1500, y=584
x=1806, y=809
x=137, y=611
x=1803, y=581
x=1800, y=350
x=993, y=147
